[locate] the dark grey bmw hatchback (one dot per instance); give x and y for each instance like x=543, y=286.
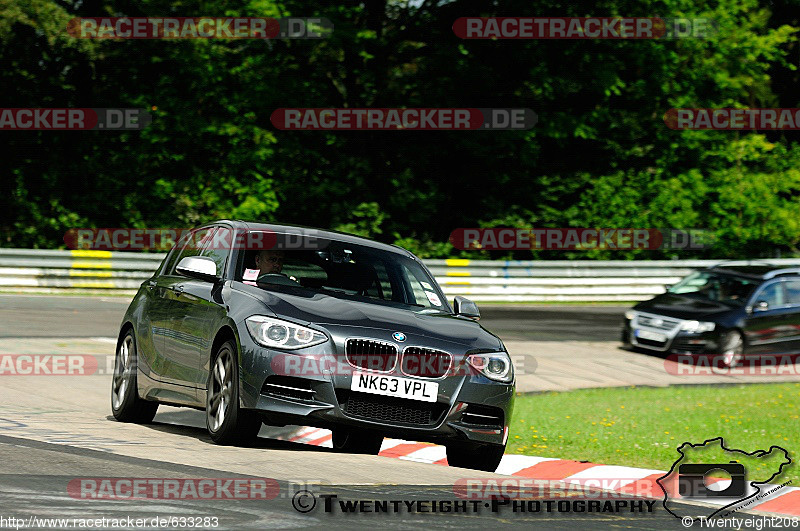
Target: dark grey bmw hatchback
x=275, y=324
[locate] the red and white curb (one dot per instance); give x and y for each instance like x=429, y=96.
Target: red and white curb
x=622, y=479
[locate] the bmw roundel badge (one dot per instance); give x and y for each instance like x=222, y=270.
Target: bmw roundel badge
x=399, y=336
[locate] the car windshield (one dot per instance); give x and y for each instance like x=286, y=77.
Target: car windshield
x=346, y=271
x=716, y=287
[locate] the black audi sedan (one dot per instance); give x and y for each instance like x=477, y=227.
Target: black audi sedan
x=728, y=311
x=275, y=324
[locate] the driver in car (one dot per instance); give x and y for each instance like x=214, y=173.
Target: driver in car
x=270, y=263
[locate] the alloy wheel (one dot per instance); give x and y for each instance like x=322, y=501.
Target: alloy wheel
x=221, y=390
x=122, y=372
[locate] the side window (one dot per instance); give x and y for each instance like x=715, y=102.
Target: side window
x=190, y=248
x=209, y=242
x=168, y=262
x=793, y=292
x=424, y=293
x=773, y=295
x=216, y=245
x=177, y=253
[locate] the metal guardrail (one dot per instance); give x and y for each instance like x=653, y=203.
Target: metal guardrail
x=30, y=269
x=565, y=280
x=480, y=280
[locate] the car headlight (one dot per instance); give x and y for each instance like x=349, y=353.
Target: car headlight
x=698, y=327
x=494, y=365
x=277, y=333
x=629, y=315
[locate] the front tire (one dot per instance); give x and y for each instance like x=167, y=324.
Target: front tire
x=126, y=405
x=352, y=441
x=226, y=422
x=484, y=457
x=732, y=351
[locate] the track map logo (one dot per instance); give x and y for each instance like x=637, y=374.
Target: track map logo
x=725, y=480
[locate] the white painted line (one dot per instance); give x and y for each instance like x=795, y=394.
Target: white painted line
x=111, y=340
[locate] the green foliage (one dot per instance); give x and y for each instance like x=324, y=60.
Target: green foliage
x=366, y=221
x=431, y=249
x=600, y=155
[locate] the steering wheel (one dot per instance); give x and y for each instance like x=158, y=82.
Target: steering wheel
x=276, y=278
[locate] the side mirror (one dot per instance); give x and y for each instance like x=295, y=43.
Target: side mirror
x=466, y=308
x=761, y=306
x=200, y=267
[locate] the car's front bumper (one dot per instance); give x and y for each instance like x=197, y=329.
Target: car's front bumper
x=640, y=333
x=469, y=407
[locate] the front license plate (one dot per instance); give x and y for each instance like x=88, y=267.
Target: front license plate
x=378, y=384
x=652, y=336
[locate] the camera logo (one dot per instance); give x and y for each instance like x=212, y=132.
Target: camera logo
x=712, y=480
x=727, y=479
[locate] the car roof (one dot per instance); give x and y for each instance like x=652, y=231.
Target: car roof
x=280, y=228
x=761, y=270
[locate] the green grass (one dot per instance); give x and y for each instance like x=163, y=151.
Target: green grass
x=643, y=426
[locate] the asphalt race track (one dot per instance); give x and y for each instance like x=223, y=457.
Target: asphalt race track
x=57, y=430
x=71, y=316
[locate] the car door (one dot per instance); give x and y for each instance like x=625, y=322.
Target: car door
x=771, y=330
x=792, y=287
x=179, y=363
x=201, y=307
x=154, y=320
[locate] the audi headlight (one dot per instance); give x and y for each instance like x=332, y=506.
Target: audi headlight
x=697, y=327
x=278, y=333
x=494, y=365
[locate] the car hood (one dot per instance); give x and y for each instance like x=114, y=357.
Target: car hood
x=341, y=314
x=684, y=307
